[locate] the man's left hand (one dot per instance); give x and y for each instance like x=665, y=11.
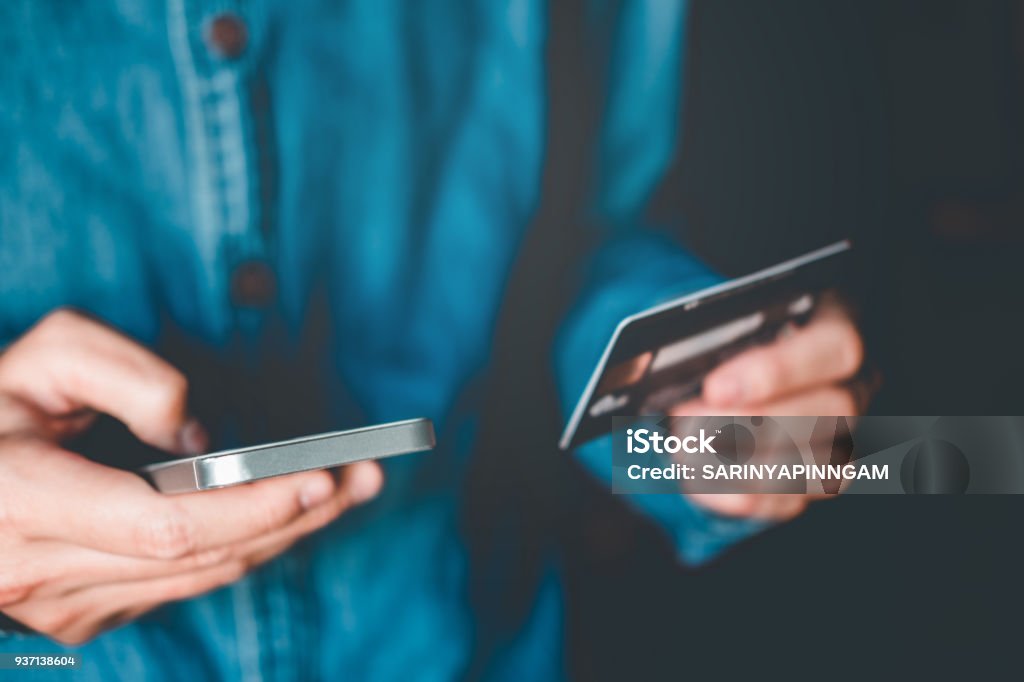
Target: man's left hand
x=805, y=371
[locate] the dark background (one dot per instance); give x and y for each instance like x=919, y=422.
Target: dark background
x=897, y=124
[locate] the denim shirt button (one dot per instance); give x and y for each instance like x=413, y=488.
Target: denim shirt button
x=253, y=284
x=227, y=36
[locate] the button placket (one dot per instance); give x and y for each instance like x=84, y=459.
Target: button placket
x=215, y=50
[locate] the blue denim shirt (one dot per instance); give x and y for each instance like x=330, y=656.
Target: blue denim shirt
x=385, y=152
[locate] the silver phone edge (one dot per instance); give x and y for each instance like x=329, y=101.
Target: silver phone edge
x=234, y=467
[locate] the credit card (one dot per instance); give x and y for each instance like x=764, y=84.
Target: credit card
x=659, y=357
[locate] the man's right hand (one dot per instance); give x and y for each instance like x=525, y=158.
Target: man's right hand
x=84, y=547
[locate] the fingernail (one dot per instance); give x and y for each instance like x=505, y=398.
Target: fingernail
x=726, y=391
x=192, y=438
x=364, y=486
x=316, y=492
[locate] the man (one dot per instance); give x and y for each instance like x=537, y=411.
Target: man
x=223, y=178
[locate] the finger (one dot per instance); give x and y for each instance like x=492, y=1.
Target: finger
x=359, y=483
x=17, y=416
x=831, y=401
x=20, y=417
x=827, y=350
x=83, y=615
x=62, y=496
x=756, y=506
x=68, y=362
x=48, y=569
x=308, y=500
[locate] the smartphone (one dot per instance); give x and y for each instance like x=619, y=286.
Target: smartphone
x=658, y=358
x=322, y=451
